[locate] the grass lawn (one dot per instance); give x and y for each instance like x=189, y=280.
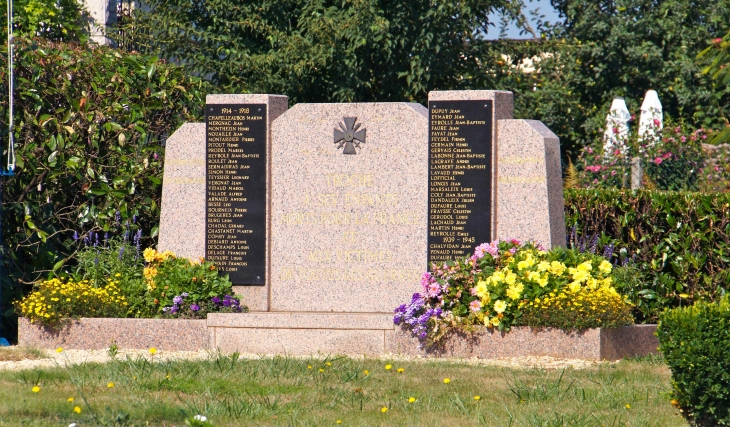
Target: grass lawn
x=231, y=391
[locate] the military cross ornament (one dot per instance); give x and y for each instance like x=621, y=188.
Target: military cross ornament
x=349, y=135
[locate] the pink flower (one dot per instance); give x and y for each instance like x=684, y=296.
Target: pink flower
x=667, y=156
x=633, y=117
x=475, y=306
x=615, y=130
x=434, y=290
x=717, y=40
x=717, y=168
x=487, y=248
x=693, y=137
x=657, y=122
x=616, y=152
x=613, y=173
x=426, y=280
x=590, y=150
x=704, y=136
x=677, y=129
x=594, y=169
x=683, y=138
x=658, y=160
x=595, y=182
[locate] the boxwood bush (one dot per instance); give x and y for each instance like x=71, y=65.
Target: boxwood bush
x=695, y=342
x=678, y=244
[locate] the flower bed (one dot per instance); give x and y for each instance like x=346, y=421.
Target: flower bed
x=506, y=284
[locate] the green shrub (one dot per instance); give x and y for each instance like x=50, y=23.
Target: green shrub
x=695, y=342
x=679, y=242
x=89, y=125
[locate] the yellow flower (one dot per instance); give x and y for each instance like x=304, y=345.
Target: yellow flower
x=70, y=399
x=77, y=409
x=411, y=399
x=447, y=380
x=481, y=289
x=574, y=286
x=321, y=370
x=153, y=350
x=477, y=398
x=557, y=268
x=149, y=254
x=388, y=367
x=497, y=277
x=543, y=281
x=328, y=363
x=604, y=267
x=628, y=406
x=36, y=389
x=514, y=291
x=401, y=370
x=500, y=306
x=384, y=409
x=118, y=275
x=366, y=372
x=543, y=266
x=494, y=321
x=339, y=421
x=510, y=277
x=110, y=384
x=309, y=366
x=59, y=349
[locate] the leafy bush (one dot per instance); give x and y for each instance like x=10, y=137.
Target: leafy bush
x=502, y=279
x=695, y=342
x=90, y=124
x=54, y=300
x=679, y=242
x=56, y=20
x=177, y=286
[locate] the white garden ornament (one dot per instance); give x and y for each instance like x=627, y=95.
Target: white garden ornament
x=650, y=121
x=617, y=128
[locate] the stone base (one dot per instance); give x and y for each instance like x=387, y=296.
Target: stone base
x=354, y=334
x=98, y=334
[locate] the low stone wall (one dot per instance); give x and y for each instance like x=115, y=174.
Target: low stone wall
x=96, y=334
x=335, y=333
x=592, y=344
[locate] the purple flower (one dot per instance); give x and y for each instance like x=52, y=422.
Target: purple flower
x=165, y=309
x=184, y=294
x=194, y=307
x=76, y=235
x=121, y=252
x=216, y=300
x=177, y=300
x=117, y=217
x=173, y=309
x=227, y=302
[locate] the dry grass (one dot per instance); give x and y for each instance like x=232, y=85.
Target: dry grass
x=16, y=354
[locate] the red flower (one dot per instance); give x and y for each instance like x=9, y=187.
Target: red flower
x=658, y=160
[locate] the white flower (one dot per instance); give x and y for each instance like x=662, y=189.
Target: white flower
x=202, y=418
x=72, y=425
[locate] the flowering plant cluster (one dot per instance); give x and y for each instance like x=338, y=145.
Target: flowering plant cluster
x=184, y=288
x=495, y=284
x=54, y=299
x=672, y=159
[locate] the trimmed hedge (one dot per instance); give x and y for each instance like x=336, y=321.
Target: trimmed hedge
x=695, y=342
x=679, y=243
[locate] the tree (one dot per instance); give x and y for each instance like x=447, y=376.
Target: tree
x=56, y=20
x=322, y=50
x=718, y=57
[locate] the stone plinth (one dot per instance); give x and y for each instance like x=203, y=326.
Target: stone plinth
x=354, y=334
x=529, y=183
x=182, y=212
x=349, y=231
x=98, y=334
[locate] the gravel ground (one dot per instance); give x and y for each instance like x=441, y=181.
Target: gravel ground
x=55, y=359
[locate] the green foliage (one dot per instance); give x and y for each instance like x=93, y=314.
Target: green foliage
x=196, y=282
x=318, y=50
x=625, y=47
x=695, y=342
x=679, y=242
x=89, y=128
x=718, y=57
x=55, y=20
